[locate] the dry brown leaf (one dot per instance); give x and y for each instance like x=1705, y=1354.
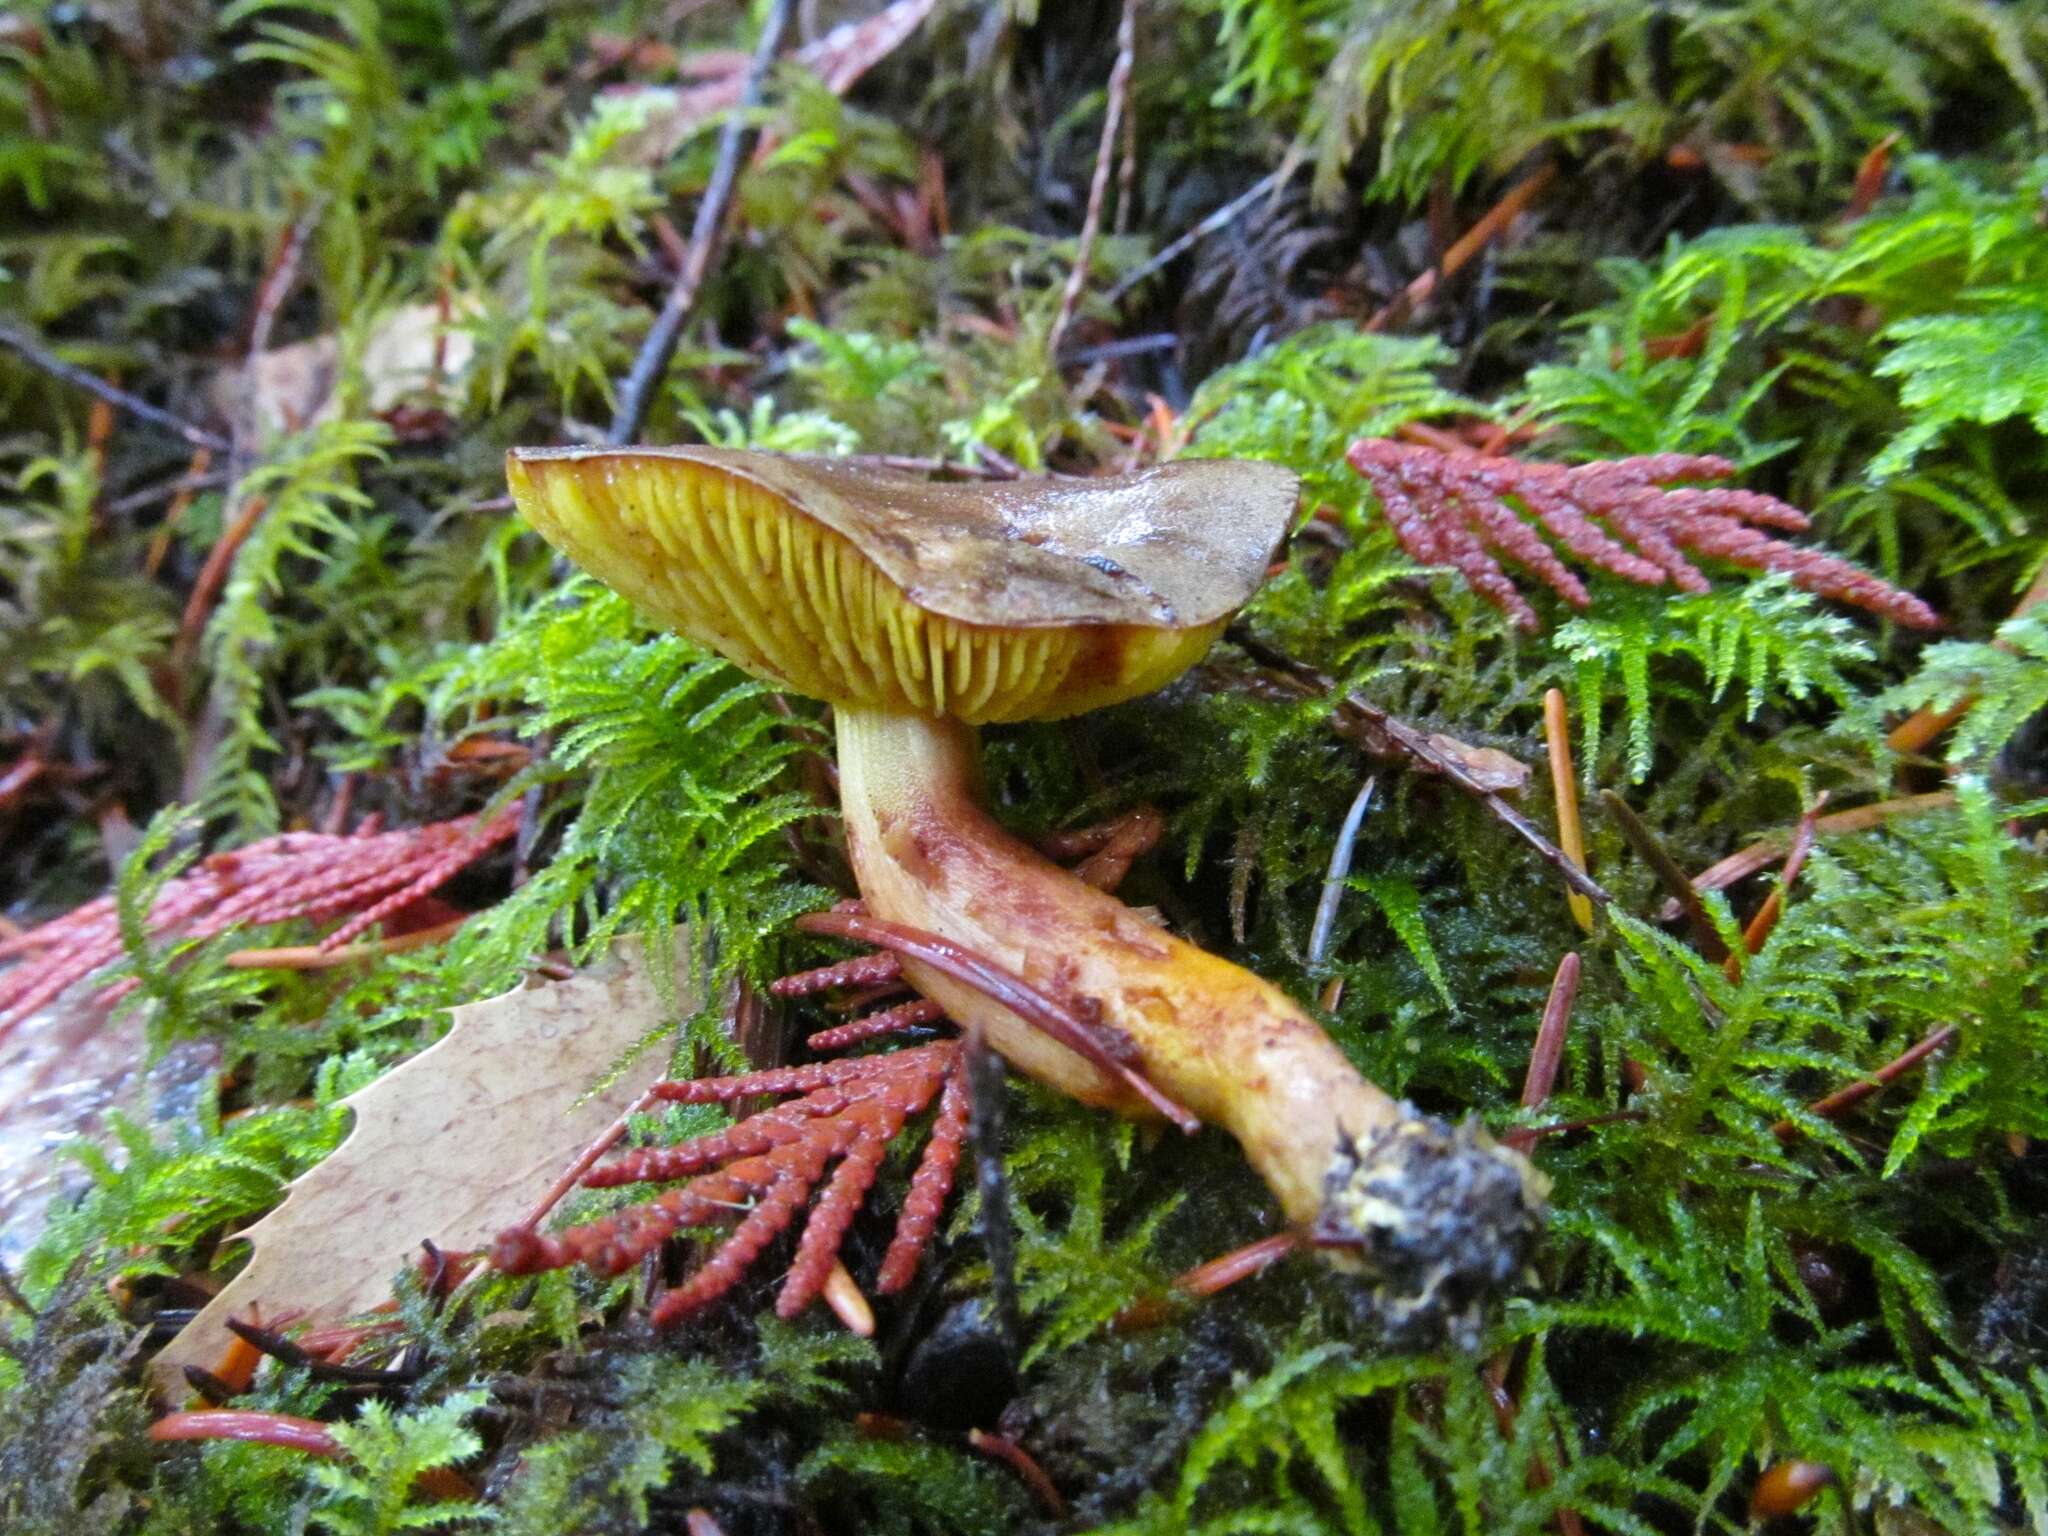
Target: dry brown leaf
x=453, y=1146
x=291, y=387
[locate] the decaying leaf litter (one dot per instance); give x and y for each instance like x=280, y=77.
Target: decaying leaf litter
x=1734, y=286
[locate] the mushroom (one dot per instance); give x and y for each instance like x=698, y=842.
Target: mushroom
x=921, y=610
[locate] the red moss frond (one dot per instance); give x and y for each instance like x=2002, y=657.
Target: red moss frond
x=873, y=970
x=765, y=1167
x=890, y=1021
x=1458, y=510
x=298, y=875
x=929, y=1187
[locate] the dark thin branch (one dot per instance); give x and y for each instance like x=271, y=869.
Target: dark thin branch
x=707, y=238
x=38, y=356
x=985, y=1078
x=1176, y=249
x=11, y=1294
x=1098, y=189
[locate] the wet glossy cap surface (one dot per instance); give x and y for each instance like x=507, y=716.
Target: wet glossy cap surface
x=867, y=587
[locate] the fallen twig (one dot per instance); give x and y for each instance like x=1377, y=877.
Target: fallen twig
x=1844, y=1099
x=1098, y=188
x=1020, y=1461
x=1652, y=852
x=36, y=355
x=1766, y=917
x=707, y=236
x=212, y=577
x=1477, y=238
x=1547, y=1054
x=1768, y=849
x=1177, y=248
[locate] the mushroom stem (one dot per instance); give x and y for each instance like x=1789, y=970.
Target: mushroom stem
x=1437, y=1217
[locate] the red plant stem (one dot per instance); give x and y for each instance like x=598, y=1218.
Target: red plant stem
x=1002, y=1448
x=1118, y=100
x=212, y=577
x=1470, y=244
x=1759, y=854
x=567, y=1180
x=1766, y=918
x=1224, y=1271
x=1870, y=175
x=1548, y=1051
x=1012, y=992
x=279, y=1429
x=1844, y=1099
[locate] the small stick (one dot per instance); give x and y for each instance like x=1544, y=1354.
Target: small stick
x=1767, y=915
x=1474, y=240
x=277, y=284
x=311, y=957
x=1645, y=843
x=1564, y=783
x=183, y=492
x=1870, y=175
x=707, y=236
x=1127, y=169
x=1759, y=854
x=212, y=577
x=1036, y=1008
x=1547, y=1053
x=1098, y=187
x=11, y=1294
x=1844, y=1099
x=37, y=356
x=1417, y=746
x=1918, y=729
x=1175, y=249
x=1012, y=1455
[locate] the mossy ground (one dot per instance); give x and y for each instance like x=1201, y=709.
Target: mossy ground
x=1706, y=271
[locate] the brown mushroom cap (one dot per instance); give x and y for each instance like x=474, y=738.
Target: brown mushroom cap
x=869, y=588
